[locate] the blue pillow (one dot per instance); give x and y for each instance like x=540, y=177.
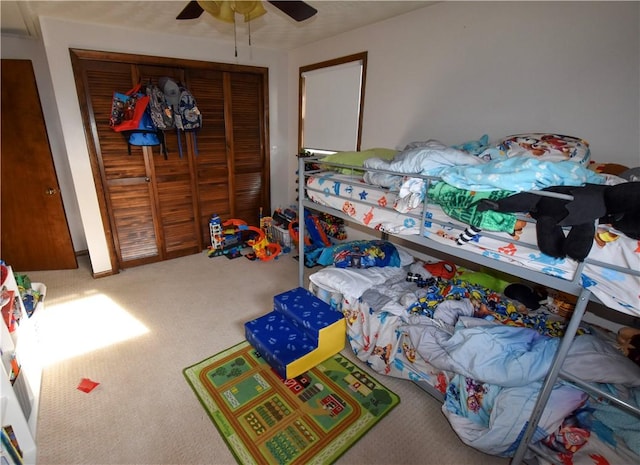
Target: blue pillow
x=474, y=147
x=360, y=254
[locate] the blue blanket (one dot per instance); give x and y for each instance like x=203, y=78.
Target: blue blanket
x=519, y=174
x=499, y=367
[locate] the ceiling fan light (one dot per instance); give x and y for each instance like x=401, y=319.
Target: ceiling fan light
x=249, y=9
x=221, y=10
x=243, y=7
x=227, y=13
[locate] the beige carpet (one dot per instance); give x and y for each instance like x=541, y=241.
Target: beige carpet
x=134, y=333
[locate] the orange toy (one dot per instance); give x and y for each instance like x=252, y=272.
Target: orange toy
x=240, y=224
x=293, y=233
x=264, y=250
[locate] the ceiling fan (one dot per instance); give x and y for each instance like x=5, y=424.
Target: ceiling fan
x=225, y=10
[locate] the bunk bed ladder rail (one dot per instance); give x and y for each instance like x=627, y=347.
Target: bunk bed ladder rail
x=552, y=376
x=302, y=192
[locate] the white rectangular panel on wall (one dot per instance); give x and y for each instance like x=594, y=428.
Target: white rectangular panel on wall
x=331, y=107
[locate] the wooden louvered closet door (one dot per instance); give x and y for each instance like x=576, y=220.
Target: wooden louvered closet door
x=231, y=167
x=210, y=163
x=158, y=207
x=128, y=192
x=171, y=178
x=245, y=120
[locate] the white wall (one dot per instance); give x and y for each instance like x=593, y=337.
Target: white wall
x=456, y=70
x=59, y=36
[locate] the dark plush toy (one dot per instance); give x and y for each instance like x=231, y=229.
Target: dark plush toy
x=617, y=205
x=623, y=208
x=530, y=298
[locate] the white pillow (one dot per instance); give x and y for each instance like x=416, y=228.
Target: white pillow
x=353, y=282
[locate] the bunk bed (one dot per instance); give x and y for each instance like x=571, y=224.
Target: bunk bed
x=381, y=196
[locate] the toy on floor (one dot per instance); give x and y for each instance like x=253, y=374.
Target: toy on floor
x=315, y=234
x=262, y=248
x=227, y=238
x=215, y=231
x=230, y=237
x=293, y=233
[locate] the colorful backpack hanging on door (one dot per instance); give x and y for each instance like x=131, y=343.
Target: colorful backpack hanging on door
x=146, y=134
x=159, y=109
x=127, y=109
x=185, y=109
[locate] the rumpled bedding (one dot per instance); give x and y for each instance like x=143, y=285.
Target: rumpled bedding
x=514, y=356
x=461, y=204
x=511, y=174
x=485, y=369
x=498, y=367
x=431, y=158
x=520, y=174
x=466, y=171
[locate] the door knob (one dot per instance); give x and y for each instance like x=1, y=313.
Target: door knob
x=51, y=191
x=147, y=179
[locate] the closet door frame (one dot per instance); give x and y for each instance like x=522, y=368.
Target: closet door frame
x=89, y=122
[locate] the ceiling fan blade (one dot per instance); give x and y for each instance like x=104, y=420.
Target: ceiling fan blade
x=192, y=11
x=295, y=9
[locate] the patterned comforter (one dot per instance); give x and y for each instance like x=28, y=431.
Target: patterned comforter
x=484, y=368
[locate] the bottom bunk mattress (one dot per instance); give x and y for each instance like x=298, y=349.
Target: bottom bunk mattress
x=373, y=206
x=445, y=335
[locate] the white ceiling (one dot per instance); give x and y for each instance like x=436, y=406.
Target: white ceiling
x=273, y=30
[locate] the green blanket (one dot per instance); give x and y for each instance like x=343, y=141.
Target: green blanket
x=461, y=204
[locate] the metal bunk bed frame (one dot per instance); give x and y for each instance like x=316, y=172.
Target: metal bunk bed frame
x=572, y=287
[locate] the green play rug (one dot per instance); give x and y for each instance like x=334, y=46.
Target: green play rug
x=311, y=419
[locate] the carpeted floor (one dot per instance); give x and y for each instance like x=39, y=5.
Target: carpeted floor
x=134, y=333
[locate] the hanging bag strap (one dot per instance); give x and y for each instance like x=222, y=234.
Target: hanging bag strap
x=179, y=142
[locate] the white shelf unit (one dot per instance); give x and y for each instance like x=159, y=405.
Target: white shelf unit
x=20, y=399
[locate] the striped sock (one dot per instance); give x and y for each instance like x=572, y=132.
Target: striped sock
x=467, y=235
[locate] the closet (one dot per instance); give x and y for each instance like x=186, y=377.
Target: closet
x=157, y=206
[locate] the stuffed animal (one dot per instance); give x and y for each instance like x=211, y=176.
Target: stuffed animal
x=623, y=208
x=617, y=205
x=629, y=342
